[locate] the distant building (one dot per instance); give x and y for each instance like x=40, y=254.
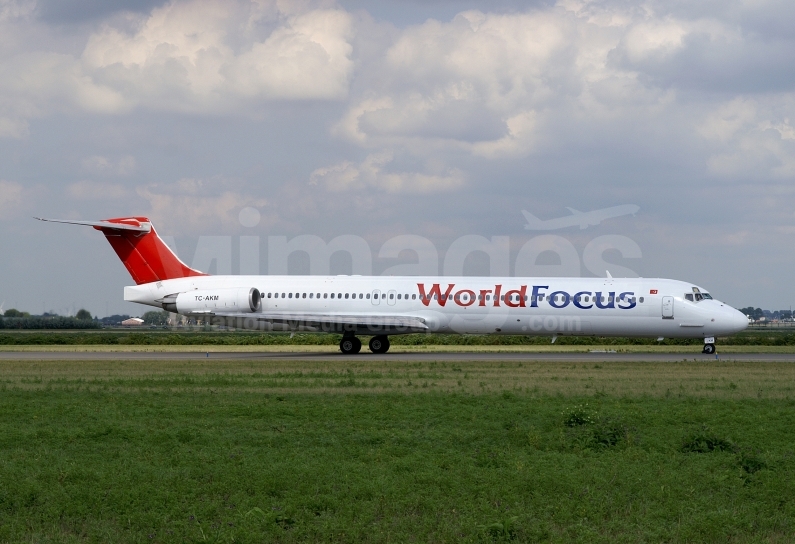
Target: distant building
x=133, y=322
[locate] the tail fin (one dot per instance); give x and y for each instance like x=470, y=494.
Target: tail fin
x=533, y=222
x=146, y=257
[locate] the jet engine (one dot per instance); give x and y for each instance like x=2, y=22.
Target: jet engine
x=202, y=301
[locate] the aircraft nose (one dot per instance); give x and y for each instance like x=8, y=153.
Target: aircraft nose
x=737, y=320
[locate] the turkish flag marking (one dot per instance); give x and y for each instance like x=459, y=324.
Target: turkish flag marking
x=652, y=291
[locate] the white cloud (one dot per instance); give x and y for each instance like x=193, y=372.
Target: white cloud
x=200, y=54
x=105, y=166
x=92, y=190
x=15, y=9
x=195, y=56
x=11, y=198
x=13, y=128
x=751, y=138
x=473, y=83
x=371, y=172
x=192, y=205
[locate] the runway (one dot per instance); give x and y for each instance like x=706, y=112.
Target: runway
x=596, y=357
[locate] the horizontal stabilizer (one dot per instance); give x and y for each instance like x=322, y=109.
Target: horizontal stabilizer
x=133, y=225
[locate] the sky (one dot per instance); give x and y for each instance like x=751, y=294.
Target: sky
x=436, y=119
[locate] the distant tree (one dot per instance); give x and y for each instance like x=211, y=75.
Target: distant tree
x=83, y=314
x=155, y=318
x=754, y=313
x=15, y=313
x=114, y=319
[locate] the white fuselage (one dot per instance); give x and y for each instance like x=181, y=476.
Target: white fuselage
x=477, y=305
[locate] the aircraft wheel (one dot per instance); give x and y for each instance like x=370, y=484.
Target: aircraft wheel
x=379, y=344
x=350, y=345
x=709, y=349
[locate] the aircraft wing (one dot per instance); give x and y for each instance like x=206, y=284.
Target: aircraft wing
x=324, y=321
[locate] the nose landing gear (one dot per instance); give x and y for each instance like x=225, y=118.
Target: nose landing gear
x=709, y=346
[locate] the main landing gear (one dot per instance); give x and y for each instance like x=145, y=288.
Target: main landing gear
x=350, y=345
x=379, y=344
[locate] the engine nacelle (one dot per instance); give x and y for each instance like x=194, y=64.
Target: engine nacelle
x=237, y=299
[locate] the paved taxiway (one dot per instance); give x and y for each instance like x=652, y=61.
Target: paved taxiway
x=596, y=357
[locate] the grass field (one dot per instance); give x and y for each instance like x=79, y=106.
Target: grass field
x=395, y=349
x=128, y=339
x=293, y=451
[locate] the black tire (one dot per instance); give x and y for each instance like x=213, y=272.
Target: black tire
x=709, y=349
x=379, y=344
x=350, y=345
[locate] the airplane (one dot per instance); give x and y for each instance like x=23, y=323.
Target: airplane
x=381, y=306
x=583, y=219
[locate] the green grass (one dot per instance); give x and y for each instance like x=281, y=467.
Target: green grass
x=292, y=451
x=150, y=337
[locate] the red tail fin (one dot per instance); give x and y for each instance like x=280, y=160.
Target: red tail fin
x=146, y=257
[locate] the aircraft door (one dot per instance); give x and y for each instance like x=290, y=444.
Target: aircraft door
x=668, y=307
x=391, y=297
x=375, y=297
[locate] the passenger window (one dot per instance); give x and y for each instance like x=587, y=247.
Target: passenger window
x=339, y=295
x=303, y=295
x=269, y=295
x=689, y=296
x=291, y=295
x=414, y=297
x=361, y=296
x=399, y=297
x=346, y=295
x=435, y=297
x=391, y=296
x=368, y=295
x=641, y=300
x=332, y=295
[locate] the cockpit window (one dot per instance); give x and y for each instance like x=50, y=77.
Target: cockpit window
x=699, y=297
x=707, y=296
x=689, y=296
